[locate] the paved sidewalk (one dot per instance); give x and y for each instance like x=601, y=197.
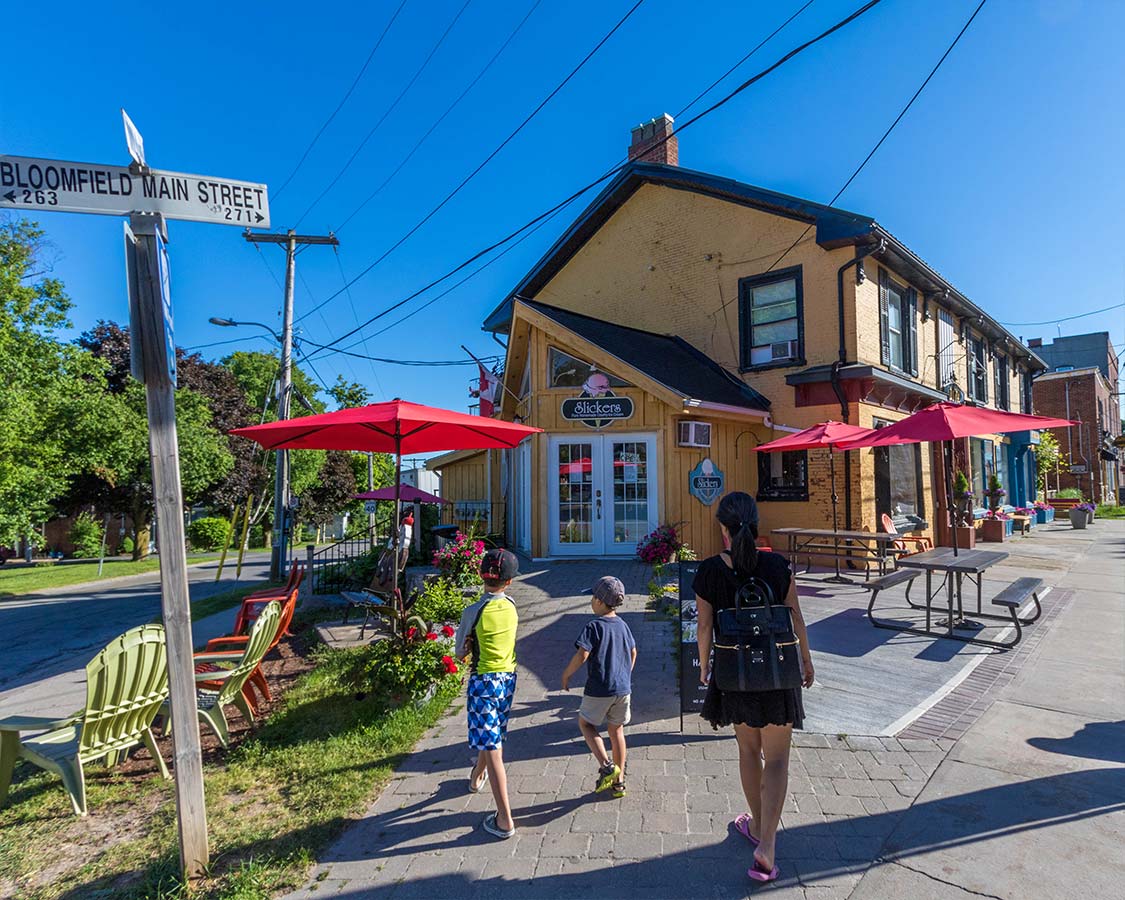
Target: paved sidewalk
x=1038, y=776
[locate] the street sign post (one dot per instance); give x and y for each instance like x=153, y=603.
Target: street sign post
x=371, y=507
x=51, y=185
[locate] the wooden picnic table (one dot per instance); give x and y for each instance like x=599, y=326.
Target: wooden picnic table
x=864, y=546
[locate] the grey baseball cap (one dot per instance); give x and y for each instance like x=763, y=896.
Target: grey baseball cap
x=610, y=591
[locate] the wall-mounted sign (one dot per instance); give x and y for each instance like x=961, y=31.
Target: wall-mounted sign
x=705, y=482
x=597, y=406
x=1078, y=470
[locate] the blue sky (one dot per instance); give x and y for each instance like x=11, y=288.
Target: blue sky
x=1006, y=175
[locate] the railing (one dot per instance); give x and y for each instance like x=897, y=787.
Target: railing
x=330, y=568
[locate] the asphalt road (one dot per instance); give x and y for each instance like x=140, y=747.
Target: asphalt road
x=47, y=638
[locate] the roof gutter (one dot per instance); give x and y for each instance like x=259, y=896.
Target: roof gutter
x=691, y=404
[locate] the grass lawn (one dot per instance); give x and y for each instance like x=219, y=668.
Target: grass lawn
x=274, y=800
x=207, y=606
x=27, y=580
x=1110, y=511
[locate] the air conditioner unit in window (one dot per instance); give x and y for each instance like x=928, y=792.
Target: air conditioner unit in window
x=694, y=434
x=783, y=350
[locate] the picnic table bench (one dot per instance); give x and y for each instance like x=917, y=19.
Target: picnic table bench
x=864, y=547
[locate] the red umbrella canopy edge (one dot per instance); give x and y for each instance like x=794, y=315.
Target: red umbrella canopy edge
x=407, y=494
x=949, y=421
x=396, y=426
x=825, y=434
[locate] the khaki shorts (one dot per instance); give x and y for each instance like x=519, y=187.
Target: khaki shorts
x=614, y=710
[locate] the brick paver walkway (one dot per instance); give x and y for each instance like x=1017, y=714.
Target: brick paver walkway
x=669, y=838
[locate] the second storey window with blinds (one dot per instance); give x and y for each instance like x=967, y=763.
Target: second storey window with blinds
x=769, y=314
x=1000, y=370
x=898, y=328
x=946, y=351
x=977, y=388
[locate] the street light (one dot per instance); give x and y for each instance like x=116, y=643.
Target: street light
x=281, y=480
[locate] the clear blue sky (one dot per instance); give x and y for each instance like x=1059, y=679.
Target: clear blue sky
x=1006, y=175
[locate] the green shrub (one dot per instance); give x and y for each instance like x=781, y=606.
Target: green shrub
x=256, y=536
x=401, y=670
x=211, y=533
x=127, y=545
x=1069, y=494
x=86, y=535
x=440, y=601
x=1110, y=511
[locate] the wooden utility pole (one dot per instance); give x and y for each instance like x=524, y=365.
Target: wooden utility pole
x=154, y=365
x=291, y=240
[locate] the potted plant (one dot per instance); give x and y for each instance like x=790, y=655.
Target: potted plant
x=1078, y=516
x=1044, y=512
x=1091, y=510
x=994, y=527
x=963, y=511
x=995, y=492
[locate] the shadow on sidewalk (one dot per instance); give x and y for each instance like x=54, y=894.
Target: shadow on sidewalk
x=700, y=865
x=1095, y=740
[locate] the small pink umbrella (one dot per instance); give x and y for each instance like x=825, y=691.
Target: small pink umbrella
x=407, y=494
x=825, y=435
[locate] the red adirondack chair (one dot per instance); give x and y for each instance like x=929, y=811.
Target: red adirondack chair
x=920, y=544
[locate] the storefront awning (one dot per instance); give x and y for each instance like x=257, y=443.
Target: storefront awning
x=862, y=383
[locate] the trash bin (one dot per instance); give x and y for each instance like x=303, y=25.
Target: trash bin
x=443, y=534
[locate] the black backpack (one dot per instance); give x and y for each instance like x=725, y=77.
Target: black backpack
x=755, y=647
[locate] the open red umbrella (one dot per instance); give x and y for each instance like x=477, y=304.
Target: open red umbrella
x=825, y=436
x=946, y=422
x=407, y=493
x=397, y=427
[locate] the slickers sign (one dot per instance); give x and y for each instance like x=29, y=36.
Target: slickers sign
x=47, y=184
x=597, y=406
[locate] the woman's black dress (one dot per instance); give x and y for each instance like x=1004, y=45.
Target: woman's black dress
x=716, y=583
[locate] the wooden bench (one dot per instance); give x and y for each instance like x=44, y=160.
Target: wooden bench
x=1021, y=522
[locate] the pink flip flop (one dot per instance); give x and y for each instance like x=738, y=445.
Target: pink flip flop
x=742, y=826
x=758, y=872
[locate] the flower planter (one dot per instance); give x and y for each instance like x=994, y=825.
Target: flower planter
x=1077, y=518
x=1044, y=516
x=966, y=537
x=995, y=531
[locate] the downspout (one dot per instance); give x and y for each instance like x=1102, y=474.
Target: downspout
x=842, y=360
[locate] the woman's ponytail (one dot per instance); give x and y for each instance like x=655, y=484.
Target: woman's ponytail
x=739, y=513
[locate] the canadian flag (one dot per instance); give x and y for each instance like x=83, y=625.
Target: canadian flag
x=487, y=391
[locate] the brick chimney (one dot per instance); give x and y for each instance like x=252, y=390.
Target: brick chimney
x=1035, y=342
x=647, y=146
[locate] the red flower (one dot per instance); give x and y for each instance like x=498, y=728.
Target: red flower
x=431, y=636
x=410, y=632
x=448, y=631
x=450, y=665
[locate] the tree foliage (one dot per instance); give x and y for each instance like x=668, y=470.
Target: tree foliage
x=349, y=394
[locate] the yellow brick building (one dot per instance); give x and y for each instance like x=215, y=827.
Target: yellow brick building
x=682, y=320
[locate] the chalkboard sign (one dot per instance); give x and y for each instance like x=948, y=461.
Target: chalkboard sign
x=691, y=691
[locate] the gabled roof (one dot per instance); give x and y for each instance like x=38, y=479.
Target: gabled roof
x=834, y=228
x=669, y=360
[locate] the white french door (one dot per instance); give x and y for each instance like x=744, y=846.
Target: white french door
x=602, y=495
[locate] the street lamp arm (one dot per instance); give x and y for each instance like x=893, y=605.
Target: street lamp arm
x=231, y=323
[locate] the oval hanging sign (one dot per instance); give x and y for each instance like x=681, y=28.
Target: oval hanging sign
x=597, y=412
x=705, y=481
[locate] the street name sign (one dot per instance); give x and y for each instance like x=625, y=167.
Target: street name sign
x=56, y=186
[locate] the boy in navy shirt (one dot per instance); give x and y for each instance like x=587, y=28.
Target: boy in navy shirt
x=607, y=647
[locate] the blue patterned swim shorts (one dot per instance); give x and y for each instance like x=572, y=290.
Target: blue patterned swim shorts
x=489, y=703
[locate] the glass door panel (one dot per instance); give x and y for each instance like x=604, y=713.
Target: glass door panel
x=575, y=525
x=630, y=461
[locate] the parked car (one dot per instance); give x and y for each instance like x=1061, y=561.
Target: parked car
x=7, y=553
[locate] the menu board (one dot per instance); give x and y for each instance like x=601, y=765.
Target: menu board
x=691, y=691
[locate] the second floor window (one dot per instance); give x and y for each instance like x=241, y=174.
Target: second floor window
x=977, y=388
x=769, y=314
x=898, y=330
x=1001, y=372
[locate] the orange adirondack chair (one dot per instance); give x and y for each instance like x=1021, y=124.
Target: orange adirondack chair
x=253, y=604
x=920, y=544
x=234, y=644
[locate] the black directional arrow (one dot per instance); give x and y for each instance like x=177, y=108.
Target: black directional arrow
x=10, y=196
x=260, y=216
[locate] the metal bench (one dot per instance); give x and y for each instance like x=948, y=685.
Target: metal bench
x=891, y=579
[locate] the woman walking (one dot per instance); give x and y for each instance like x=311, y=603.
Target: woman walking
x=763, y=720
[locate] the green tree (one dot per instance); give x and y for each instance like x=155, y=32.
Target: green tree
x=1048, y=456
x=55, y=416
x=349, y=394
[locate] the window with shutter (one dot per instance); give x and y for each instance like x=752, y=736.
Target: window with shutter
x=910, y=345
x=884, y=331
x=896, y=322
x=946, y=359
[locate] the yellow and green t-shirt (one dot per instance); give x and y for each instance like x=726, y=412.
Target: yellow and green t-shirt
x=493, y=621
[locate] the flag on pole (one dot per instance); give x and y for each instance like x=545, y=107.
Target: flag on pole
x=487, y=391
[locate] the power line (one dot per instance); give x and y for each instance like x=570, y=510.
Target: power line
x=495, y=151
x=442, y=117
x=874, y=149
x=388, y=111
x=407, y=362
x=340, y=105
x=1092, y=312
x=237, y=340
x=871, y=4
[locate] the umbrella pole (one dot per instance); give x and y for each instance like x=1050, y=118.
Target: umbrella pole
x=953, y=523
x=398, y=515
x=837, y=578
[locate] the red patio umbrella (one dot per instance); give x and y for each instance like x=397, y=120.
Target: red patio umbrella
x=826, y=435
x=397, y=427
x=945, y=422
x=407, y=494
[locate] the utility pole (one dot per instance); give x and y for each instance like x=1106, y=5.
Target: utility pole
x=291, y=240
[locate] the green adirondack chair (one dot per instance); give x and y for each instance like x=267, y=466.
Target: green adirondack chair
x=126, y=684
x=218, y=688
